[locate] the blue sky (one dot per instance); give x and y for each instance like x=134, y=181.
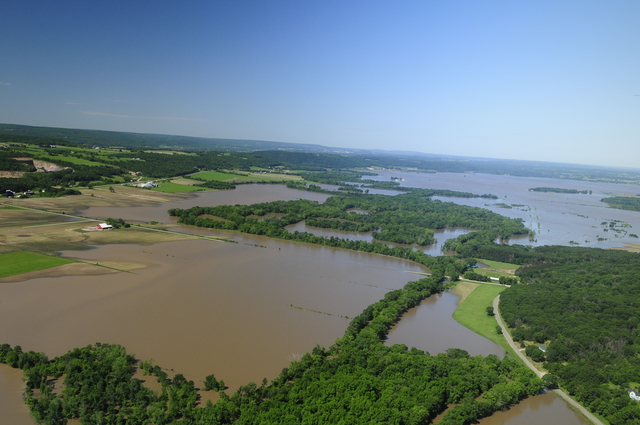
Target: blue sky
x=545, y=80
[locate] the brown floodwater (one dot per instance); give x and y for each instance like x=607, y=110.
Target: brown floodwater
x=431, y=328
x=12, y=409
x=542, y=409
x=434, y=249
x=243, y=194
x=236, y=310
x=240, y=310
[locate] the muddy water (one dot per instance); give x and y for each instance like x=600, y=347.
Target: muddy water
x=327, y=233
x=236, y=310
x=555, y=217
x=243, y=194
x=434, y=249
x=431, y=328
x=542, y=409
x=12, y=409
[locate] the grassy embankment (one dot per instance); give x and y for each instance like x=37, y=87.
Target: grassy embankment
x=474, y=300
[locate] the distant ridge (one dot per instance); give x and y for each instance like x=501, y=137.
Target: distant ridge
x=286, y=152
x=103, y=138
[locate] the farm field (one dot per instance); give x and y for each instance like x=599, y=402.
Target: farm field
x=17, y=262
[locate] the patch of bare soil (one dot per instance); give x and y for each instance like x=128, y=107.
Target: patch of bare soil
x=463, y=289
x=46, y=166
x=184, y=181
x=506, y=271
x=631, y=247
x=11, y=174
x=73, y=269
x=123, y=196
x=15, y=218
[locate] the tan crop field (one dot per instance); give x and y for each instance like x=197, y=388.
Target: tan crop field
x=79, y=235
x=101, y=196
x=20, y=217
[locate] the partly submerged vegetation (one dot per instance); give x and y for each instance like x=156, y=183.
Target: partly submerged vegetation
x=623, y=202
x=409, y=218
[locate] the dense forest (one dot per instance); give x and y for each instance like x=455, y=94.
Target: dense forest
x=585, y=303
x=358, y=380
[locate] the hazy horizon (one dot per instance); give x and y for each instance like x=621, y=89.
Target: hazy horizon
x=545, y=81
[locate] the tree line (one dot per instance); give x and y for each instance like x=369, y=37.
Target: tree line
x=623, y=202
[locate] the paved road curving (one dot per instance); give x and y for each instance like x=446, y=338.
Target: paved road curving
x=561, y=393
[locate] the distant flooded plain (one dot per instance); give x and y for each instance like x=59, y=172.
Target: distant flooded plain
x=556, y=218
x=240, y=310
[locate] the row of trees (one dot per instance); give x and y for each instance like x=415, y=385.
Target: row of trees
x=623, y=202
x=559, y=190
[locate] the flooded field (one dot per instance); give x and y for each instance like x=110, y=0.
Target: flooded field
x=557, y=218
x=244, y=310
x=243, y=194
x=236, y=310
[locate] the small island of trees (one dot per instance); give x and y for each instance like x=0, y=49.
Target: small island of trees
x=559, y=190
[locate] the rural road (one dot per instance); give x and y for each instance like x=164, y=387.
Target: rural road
x=561, y=393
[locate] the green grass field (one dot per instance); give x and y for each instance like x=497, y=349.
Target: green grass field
x=472, y=313
x=214, y=175
x=273, y=177
x=53, y=158
x=499, y=265
x=13, y=263
x=177, y=188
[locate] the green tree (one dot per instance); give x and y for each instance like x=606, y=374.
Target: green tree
x=212, y=384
